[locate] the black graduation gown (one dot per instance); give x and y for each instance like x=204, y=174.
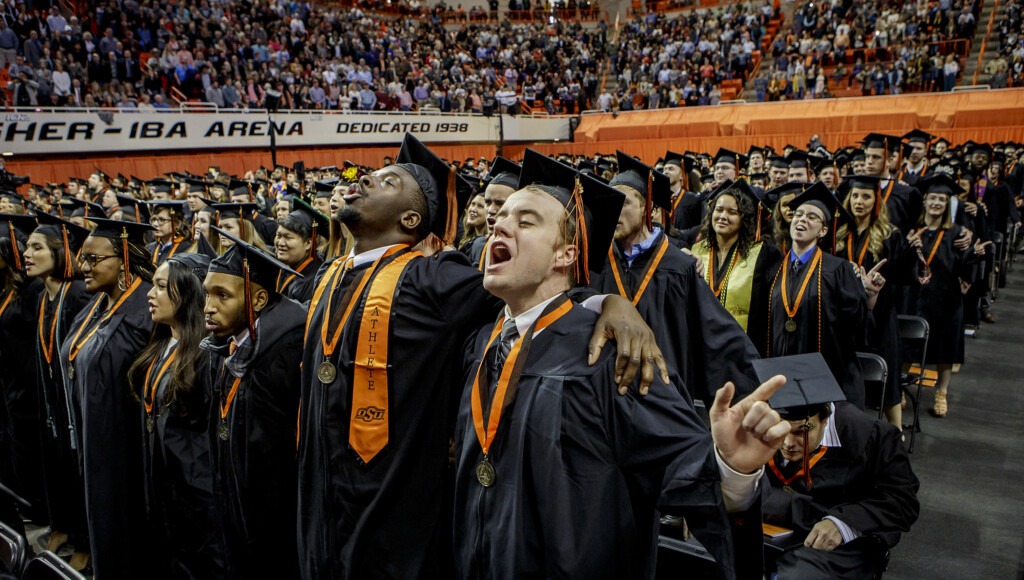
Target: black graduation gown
x=476, y=250
x=19, y=397
x=867, y=483
x=911, y=179
x=203, y=246
x=689, y=212
x=179, y=479
x=1000, y=206
x=904, y=203
x=391, y=517
x=702, y=343
x=843, y=320
x=166, y=251
x=254, y=469
x=300, y=288
x=883, y=335
x=111, y=433
x=940, y=302
x=59, y=415
x=580, y=470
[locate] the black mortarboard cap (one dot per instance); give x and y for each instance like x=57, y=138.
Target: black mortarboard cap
x=653, y=185
x=197, y=186
x=942, y=140
x=123, y=232
x=325, y=187
x=74, y=207
x=161, y=185
x=132, y=207
x=17, y=228
x=679, y=160
x=820, y=197
x=862, y=181
x=785, y=189
x=504, y=172
x=239, y=187
x=918, y=136
x=727, y=156
x=198, y=264
x=810, y=384
x=778, y=162
x=235, y=210
x=753, y=149
x=979, y=148
x=598, y=204
x=821, y=163
x=70, y=235
x=799, y=159
x=939, y=183
x=172, y=204
x=446, y=191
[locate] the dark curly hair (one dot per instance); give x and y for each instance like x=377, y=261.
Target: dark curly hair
x=748, y=222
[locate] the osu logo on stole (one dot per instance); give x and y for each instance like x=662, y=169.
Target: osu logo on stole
x=370, y=414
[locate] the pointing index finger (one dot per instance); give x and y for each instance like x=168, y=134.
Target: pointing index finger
x=763, y=392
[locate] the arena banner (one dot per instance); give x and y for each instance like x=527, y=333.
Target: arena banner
x=41, y=133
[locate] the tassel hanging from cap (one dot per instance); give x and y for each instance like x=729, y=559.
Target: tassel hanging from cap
x=69, y=268
x=580, y=238
x=649, y=202
x=252, y=198
x=806, y=460
x=312, y=241
x=249, y=318
x=835, y=224
x=14, y=248
x=758, y=237
x=124, y=256
x=451, y=216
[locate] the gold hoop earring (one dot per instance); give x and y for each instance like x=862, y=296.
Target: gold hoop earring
x=121, y=285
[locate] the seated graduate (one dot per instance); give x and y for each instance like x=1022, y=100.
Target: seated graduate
x=296, y=243
x=702, y=342
x=841, y=477
x=254, y=357
x=172, y=233
x=556, y=476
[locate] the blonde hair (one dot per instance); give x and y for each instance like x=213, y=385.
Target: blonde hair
x=879, y=230
x=248, y=236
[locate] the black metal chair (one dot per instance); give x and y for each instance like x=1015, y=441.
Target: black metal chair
x=48, y=566
x=875, y=372
x=13, y=550
x=914, y=332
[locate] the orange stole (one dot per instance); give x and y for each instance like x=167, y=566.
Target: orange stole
x=368, y=423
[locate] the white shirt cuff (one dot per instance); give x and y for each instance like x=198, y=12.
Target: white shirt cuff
x=595, y=303
x=739, y=490
x=849, y=534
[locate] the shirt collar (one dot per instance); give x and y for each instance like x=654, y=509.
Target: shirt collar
x=368, y=256
x=806, y=257
x=525, y=320
x=637, y=249
x=831, y=435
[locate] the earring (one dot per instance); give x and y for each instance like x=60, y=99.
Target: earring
x=121, y=282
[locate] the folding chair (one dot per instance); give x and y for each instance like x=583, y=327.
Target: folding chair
x=997, y=265
x=48, y=566
x=13, y=550
x=914, y=332
x=876, y=372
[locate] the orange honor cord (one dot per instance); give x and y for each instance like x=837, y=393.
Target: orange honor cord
x=725, y=279
x=805, y=470
x=75, y=344
x=791, y=312
x=451, y=216
x=369, y=419
x=935, y=247
x=14, y=248
x=7, y=301
x=485, y=434
x=648, y=272
x=281, y=286
x=863, y=250
x=48, y=347
x=326, y=282
x=150, y=388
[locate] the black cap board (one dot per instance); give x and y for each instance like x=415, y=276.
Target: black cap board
x=132, y=207
x=684, y=162
x=799, y=160
x=726, y=156
x=777, y=162
x=243, y=259
x=918, y=136
x=325, y=188
x=198, y=264
x=197, y=186
x=598, y=205
x=116, y=230
x=446, y=191
x=820, y=197
x=238, y=187
x=318, y=223
x=636, y=174
x=235, y=210
x=809, y=384
x=504, y=172
x=939, y=183
x=21, y=226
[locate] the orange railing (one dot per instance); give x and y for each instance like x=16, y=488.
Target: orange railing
x=984, y=41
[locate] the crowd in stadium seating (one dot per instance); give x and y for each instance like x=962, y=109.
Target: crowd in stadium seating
x=1007, y=68
x=874, y=46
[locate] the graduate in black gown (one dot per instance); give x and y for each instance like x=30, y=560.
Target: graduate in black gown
x=705, y=346
x=242, y=192
x=21, y=445
x=296, y=243
x=49, y=257
x=501, y=181
x=904, y=201
x=556, y=476
x=104, y=340
x=253, y=360
x=169, y=377
x=817, y=302
x=937, y=297
x=374, y=441
x=869, y=242
x=739, y=262
x=686, y=209
x=173, y=235
x=842, y=480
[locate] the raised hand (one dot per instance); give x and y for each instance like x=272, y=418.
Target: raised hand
x=748, y=433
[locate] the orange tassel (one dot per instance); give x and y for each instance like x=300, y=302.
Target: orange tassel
x=248, y=299
x=69, y=270
x=124, y=248
x=758, y=238
x=649, y=202
x=312, y=245
x=580, y=238
x=452, y=221
x=14, y=247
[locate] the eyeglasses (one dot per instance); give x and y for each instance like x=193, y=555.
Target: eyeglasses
x=159, y=221
x=92, y=260
x=811, y=217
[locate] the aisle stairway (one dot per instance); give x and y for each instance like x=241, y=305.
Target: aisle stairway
x=990, y=47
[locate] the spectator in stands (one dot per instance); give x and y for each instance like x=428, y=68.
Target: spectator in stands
x=949, y=73
x=9, y=44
